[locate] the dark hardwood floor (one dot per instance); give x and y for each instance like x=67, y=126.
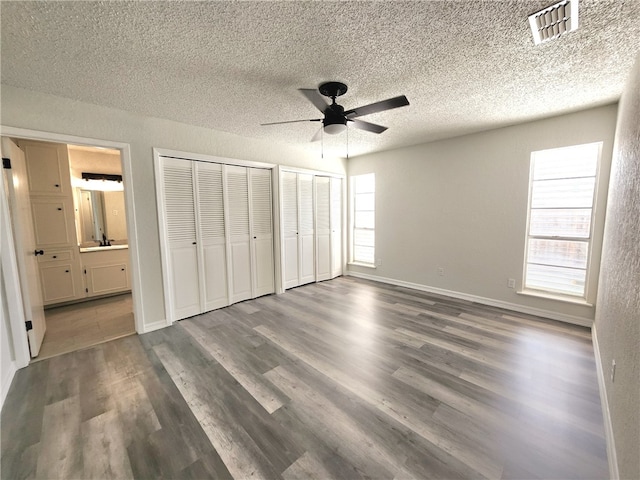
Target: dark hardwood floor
x=342, y=379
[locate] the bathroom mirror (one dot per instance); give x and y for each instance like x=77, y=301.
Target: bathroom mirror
x=101, y=213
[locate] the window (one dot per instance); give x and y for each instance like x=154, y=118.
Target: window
x=363, y=188
x=562, y=193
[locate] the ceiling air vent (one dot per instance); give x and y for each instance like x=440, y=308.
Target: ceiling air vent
x=553, y=21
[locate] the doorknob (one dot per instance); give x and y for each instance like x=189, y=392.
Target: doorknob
x=39, y=252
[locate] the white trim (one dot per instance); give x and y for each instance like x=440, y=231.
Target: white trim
x=127, y=175
x=156, y=325
x=11, y=280
x=6, y=382
x=309, y=171
x=164, y=152
x=549, y=296
x=614, y=474
x=583, y=322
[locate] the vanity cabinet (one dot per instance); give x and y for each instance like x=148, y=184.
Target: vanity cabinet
x=60, y=276
x=106, y=271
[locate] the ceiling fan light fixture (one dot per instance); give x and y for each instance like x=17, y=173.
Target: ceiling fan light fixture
x=335, y=128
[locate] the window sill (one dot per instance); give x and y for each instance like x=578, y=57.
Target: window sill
x=559, y=298
x=361, y=264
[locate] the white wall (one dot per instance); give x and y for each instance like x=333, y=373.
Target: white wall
x=37, y=111
x=617, y=325
x=461, y=204
x=7, y=358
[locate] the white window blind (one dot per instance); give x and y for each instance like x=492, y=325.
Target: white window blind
x=363, y=235
x=562, y=195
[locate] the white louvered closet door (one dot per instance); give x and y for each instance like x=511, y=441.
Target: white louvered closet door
x=212, y=246
x=239, y=249
x=289, y=188
x=336, y=227
x=306, y=238
x=180, y=224
x=261, y=225
x=323, y=228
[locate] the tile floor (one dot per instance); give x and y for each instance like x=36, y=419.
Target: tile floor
x=81, y=325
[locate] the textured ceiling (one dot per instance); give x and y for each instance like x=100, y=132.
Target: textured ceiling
x=464, y=65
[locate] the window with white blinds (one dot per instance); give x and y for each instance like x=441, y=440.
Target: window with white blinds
x=363, y=188
x=561, y=204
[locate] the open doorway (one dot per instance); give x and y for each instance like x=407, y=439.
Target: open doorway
x=81, y=239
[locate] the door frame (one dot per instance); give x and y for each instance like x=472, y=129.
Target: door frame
x=17, y=320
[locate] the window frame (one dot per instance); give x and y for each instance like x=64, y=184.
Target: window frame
x=353, y=222
x=586, y=295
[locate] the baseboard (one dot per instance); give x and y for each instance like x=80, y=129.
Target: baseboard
x=150, y=327
x=614, y=474
x=572, y=319
x=6, y=382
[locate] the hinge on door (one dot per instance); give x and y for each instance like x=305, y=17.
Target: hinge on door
x=29, y=325
x=6, y=162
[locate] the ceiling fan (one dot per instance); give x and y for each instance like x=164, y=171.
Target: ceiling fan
x=336, y=117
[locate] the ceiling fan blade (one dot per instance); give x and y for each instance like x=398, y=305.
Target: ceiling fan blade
x=388, y=104
x=369, y=127
x=314, y=97
x=317, y=136
x=293, y=121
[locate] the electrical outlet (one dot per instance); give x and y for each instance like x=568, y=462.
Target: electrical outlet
x=613, y=370
x=511, y=283
x=441, y=271
x=378, y=262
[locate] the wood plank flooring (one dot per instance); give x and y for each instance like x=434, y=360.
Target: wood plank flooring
x=341, y=379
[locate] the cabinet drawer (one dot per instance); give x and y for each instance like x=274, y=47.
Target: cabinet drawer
x=64, y=255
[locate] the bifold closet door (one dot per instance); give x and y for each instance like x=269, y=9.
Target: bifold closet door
x=180, y=224
x=323, y=228
x=212, y=246
x=336, y=227
x=289, y=188
x=298, y=229
x=239, y=258
x=261, y=228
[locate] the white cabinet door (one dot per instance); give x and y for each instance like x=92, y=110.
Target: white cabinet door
x=180, y=221
x=323, y=228
x=289, y=189
x=48, y=168
x=104, y=279
x=261, y=232
x=211, y=233
x=336, y=227
x=306, y=240
x=58, y=283
x=53, y=222
x=239, y=262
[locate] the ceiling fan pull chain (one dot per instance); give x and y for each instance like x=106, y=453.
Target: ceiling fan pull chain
x=347, y=143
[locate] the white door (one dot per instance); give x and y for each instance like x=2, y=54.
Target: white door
x=211, y=232
x=306, y=240
x=261, y=231
x=177, y=177
x=239, y=261
x=25, y=244
x=323, y=228
x=336, y=227
x=289, y=189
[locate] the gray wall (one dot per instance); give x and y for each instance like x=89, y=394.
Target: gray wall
x=461, y=204
x=37, y=111
x=617, y=323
